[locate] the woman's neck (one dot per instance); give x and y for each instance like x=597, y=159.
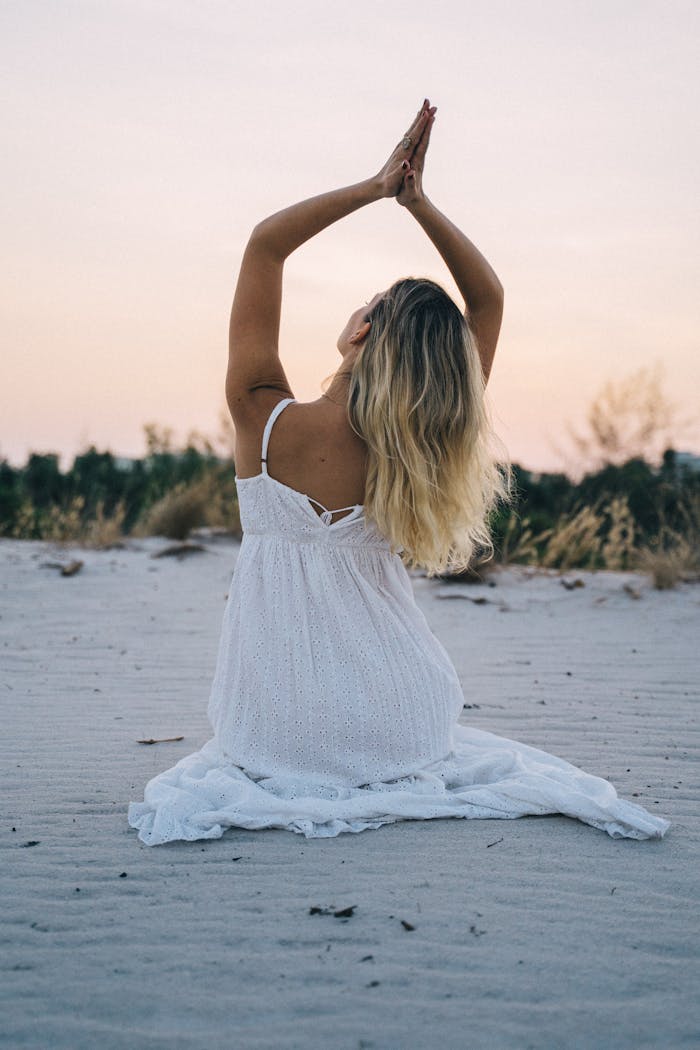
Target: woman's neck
x=338, y=390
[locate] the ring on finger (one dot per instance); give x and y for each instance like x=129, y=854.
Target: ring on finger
x=406, y=141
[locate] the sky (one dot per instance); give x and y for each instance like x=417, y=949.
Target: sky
x=145, y=138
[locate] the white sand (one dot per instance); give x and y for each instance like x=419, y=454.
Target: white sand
x=539, y=932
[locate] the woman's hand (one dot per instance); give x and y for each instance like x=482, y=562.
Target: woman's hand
x=392, y=177
x=411, y=191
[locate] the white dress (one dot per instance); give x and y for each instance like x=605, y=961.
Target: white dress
x=334, y=707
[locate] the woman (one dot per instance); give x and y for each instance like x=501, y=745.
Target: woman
x=334, y=706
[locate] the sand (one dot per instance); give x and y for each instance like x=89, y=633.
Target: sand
x=539, y=932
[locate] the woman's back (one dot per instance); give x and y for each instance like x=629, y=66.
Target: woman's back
x=312, y=448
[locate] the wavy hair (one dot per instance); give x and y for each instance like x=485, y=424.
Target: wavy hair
x=417, y=399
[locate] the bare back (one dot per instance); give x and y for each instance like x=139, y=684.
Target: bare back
x=312, y=447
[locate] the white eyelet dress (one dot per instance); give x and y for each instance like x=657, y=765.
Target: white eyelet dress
x=333, y=705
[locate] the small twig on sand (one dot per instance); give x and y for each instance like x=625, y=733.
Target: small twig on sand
x=67, y=569
x=163, y=740
x=571, y=584
x=179, y=550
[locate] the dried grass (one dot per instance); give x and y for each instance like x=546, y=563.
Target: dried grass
x=102, y=532
x=523, y=549
x=66, y=525
x=175, y=514
x=210, y=500
x=24, y=526
x=618, y=551
x=576, y=540
x=673, y=557
x=572, y=542
x=61, y=525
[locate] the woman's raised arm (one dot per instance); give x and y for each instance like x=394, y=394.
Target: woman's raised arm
x=478, y=284
x=253, y=360
x=282, y=233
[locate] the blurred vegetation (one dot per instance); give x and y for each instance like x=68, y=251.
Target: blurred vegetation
x=626, y=514
x=633, y=517
x=102, y=499
x=619, y=518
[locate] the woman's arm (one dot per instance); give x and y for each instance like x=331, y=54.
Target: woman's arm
x=282, y=233
x=480, y=287
x=255, y=315
x=253, y=356
x=478, y=284
x=253, y=338
x=473, y=275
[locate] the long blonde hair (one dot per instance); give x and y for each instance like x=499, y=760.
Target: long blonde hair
x=417, y=399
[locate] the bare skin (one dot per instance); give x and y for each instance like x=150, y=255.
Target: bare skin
x=312, y=447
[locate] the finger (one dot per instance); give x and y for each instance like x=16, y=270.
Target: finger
x=426, y=105
x=422, y=145
x=414, y=132
x=420, y=150
x=419, y=120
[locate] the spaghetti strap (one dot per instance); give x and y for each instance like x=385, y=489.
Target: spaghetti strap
x=268, y=429
x=327, y=515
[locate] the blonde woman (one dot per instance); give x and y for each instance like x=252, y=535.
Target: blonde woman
x=334, y=707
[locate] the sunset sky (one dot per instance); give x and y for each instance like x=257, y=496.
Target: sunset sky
x=143, y=139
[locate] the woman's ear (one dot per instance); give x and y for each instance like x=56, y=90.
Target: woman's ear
x=361, y=334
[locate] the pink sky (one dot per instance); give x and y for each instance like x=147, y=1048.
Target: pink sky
x=144, y=140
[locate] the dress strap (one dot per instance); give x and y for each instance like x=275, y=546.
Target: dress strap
x=336, y=511
x=327, y=515
x=268, y=428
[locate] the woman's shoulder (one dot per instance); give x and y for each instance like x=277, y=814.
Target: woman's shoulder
x=251, y=412
x=250, y=406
